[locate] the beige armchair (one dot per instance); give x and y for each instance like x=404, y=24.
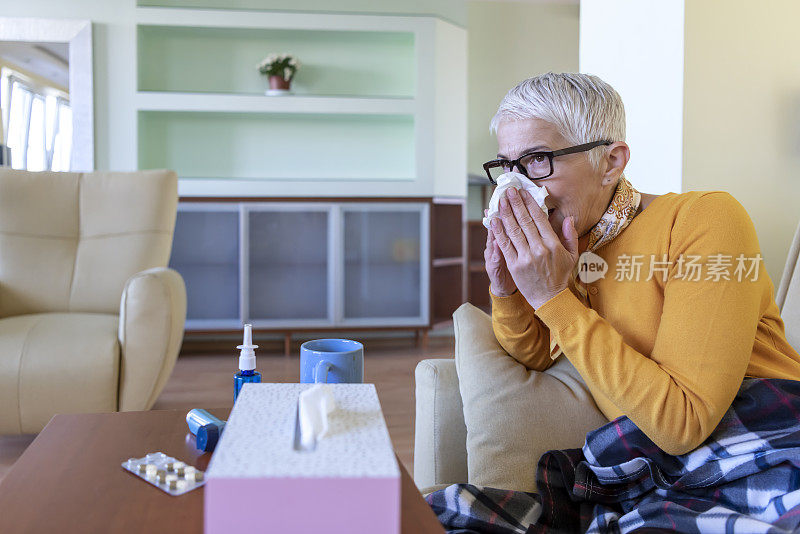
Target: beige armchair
x=555, y=405
x=90, y=318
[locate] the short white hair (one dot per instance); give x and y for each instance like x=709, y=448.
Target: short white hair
x=582, y=107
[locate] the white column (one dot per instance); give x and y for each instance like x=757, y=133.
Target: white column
x=637, y=47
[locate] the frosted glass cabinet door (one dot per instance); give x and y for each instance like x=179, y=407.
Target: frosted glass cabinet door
x=382, y=266
x=288, y=265
x=205, y=251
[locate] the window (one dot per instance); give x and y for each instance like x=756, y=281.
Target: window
x=39, y=124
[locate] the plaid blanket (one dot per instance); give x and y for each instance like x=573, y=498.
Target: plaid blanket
x=745, y=478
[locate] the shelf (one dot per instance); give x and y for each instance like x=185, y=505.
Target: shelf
x=376, y=107
x=478, y=280
x=447, y=221
x=277, y=146
x=441, y=322
x=224, y=59
x=267, y=187
x=447, y=262
x=212, y=325
x=477, y=266
x=262, y=267
x=220, y=18
x=250, y=186
x=476, y=240
x=478, y=289
x=233, y=103
x=379, y=263
x=206, y=263
x=447, y=292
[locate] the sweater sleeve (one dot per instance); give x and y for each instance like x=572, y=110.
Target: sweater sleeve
x=523, y=335
x=677, y=394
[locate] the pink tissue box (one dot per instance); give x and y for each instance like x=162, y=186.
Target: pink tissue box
x=257, y=482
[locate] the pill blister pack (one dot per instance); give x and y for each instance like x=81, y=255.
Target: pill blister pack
x=165, y=472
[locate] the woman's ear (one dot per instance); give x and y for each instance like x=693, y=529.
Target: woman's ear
x=616, y=158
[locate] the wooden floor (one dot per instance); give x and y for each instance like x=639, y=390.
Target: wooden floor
x=204, y=379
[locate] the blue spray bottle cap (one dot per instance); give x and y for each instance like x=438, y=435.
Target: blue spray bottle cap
x=247, y=354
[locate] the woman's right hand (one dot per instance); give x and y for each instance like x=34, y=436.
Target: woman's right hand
x=500, y=282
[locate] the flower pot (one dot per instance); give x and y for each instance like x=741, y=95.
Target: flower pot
x=278, y=82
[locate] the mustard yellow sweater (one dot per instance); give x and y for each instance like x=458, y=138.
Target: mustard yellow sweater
x=671, y=354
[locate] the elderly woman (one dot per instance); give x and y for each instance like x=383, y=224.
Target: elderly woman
x=681, y=323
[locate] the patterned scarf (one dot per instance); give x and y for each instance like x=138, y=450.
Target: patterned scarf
x=619, y=214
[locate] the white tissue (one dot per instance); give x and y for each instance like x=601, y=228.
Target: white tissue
x=517, y=181
x=314, y=406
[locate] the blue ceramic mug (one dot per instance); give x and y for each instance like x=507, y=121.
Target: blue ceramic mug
x=332, y=361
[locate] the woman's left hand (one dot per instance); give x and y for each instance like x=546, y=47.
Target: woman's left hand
x=539, y=263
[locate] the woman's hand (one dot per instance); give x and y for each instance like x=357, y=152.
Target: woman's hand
x=539, y=263
x=501, y=284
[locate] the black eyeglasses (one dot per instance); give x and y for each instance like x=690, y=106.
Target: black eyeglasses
x=534, y=165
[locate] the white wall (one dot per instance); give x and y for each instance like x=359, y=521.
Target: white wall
x=637, y=47
x=507, y=43
x=451, y=103
x=712, y=93
x=742, y=113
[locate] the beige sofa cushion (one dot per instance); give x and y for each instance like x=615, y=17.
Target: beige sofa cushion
x=56, y=363
x=514, y=415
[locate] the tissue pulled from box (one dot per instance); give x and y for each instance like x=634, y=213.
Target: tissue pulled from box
x=314, y=406
x=517, y=181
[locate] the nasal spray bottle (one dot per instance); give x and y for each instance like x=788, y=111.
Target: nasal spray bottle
x=247, y=363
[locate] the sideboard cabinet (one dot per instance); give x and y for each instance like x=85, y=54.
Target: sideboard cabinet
x=301, y=264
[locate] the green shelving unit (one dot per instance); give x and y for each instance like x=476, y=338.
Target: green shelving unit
x=373, y=137
x=223, y=60
x=278, y=146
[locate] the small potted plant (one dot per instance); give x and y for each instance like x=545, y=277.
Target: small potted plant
x=280, y=69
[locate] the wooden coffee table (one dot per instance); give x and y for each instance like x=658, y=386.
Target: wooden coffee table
x=70, y=480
